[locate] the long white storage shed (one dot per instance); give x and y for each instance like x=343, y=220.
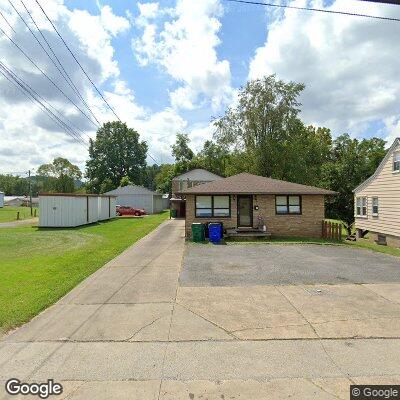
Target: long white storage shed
x=59, y=210
x=138, y=197
x=107, y=207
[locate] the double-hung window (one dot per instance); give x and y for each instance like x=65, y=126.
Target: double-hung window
x=396, y=162
x=375, y=206
x=288, y=204
x=361, y=206
x=212, y=206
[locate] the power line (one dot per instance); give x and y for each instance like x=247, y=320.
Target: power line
x=393, y=2
x=64, y=73
x=16, y=77
x=34, y=96
x=77, y=61
x=43, y=73
x=5, y=19
x=258, y=3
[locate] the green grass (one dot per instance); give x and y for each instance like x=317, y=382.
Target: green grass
x=9, y=214
x=39, y=266
x=365, y=244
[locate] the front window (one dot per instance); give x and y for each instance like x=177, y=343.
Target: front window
x=361, y=206
x=212, y=206
x=375, y=206
x=288, y=204
x=396, y=162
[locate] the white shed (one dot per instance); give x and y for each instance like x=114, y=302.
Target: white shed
x=1, y=199
x=69, y=209
x=138, y=197
x=107, y=207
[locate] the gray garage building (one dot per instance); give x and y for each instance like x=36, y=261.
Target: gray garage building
x=138, y=197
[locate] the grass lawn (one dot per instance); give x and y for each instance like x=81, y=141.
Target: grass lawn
x=365, y=244
x=9, y=214
x=39, y=266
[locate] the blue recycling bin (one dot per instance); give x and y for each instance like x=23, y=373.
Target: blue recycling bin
x=215, y=232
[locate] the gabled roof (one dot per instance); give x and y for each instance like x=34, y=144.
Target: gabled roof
x=131, y=189
x=197, y=174
x=380, y=166
x=245, y=183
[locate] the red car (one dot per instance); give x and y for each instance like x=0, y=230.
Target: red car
x=126, y=210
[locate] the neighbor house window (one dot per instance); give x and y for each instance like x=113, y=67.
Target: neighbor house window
x=361, y=206
x=375, y=206
x=288, y=204
x=212, y=206
x=396, y=162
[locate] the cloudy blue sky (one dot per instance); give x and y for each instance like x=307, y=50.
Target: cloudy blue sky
x=172, y=65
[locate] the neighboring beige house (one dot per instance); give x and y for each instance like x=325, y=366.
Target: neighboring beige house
x=248, y=202
x=377, y=201
x=187, y=180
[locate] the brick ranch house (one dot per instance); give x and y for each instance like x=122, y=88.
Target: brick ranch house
x=247, y=201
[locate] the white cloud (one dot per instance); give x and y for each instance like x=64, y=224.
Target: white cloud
x=349, y=65
x=185, y=48
x=34, y=136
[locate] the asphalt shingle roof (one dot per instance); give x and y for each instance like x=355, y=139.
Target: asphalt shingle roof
x=245, y=183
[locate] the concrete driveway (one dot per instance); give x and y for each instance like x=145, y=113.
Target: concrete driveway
x=130, y=331
x=246, y=264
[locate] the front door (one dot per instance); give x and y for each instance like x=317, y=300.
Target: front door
x=245, y=211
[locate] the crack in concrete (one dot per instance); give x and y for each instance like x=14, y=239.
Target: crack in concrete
x=381, y=296
x=210, y=322
x=143, y=327
x=323, y=389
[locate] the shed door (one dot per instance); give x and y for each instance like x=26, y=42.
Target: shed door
x=245, y=211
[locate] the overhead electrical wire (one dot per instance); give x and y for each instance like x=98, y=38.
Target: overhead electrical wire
x=48, y=78
x=36, y=97
x=5, y=19
x=323, y=10
x=81, y=67
x=32, y=98
x=78, y=131
x=77, y=61
x=64, y=73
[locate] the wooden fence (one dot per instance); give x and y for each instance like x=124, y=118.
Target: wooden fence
x=331, y=230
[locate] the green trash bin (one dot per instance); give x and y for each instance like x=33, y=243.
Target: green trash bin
x=198, y=232
x=173, y=213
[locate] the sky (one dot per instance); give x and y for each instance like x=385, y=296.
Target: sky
x=173, y=65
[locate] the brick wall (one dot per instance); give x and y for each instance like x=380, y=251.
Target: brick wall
x=307, y=224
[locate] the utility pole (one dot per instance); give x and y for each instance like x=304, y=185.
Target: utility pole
x=30, y=192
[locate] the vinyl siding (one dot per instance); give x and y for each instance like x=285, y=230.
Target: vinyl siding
x=385, y=186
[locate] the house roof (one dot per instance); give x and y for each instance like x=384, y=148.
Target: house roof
x=197, y=174
x=380, y=166
x=131, y=189
x=71, y=195
x=245, y=183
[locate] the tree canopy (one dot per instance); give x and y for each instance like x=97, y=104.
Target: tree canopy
x=59, y=176
x=115, y=153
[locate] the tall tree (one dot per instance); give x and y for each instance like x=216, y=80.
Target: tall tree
x=116, y=152
x=150, y=175
x=60, y=175
x=213, y=157
x=181, y=150
x=352, y=161
x=262, y=124
x=163, y=180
